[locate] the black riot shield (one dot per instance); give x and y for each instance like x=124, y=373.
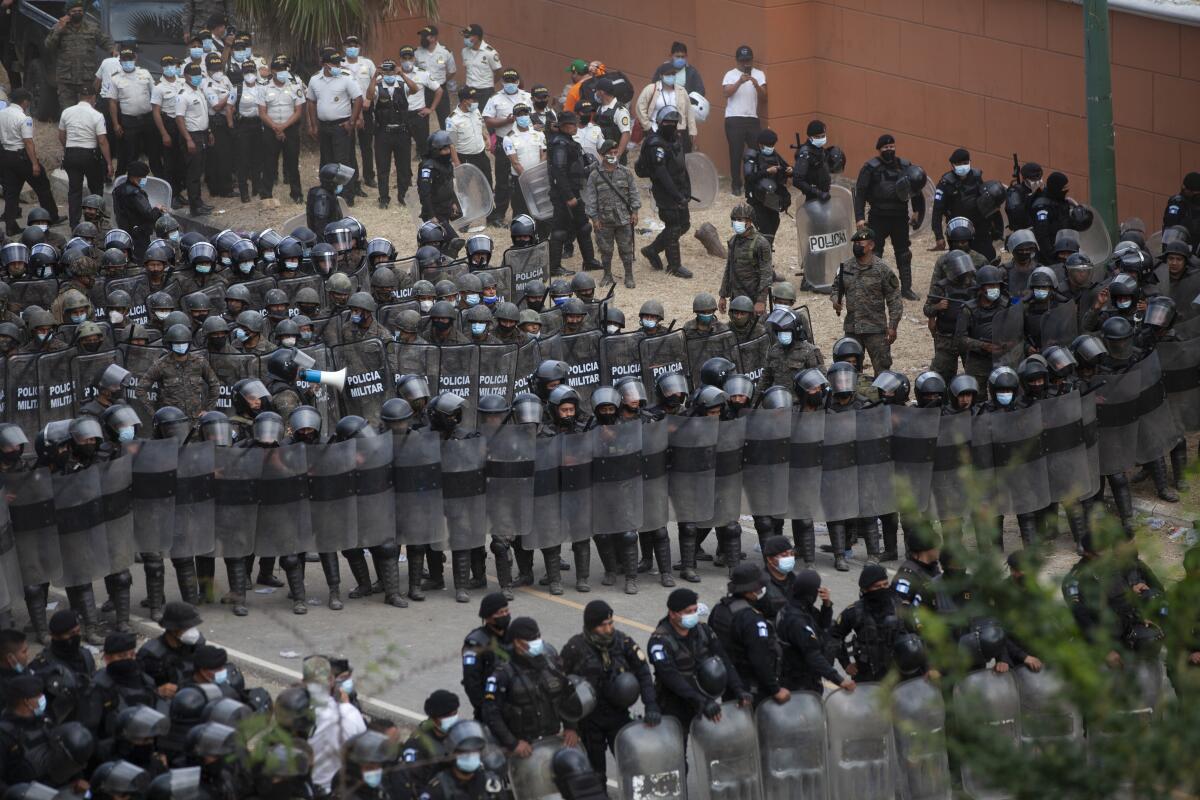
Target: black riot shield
x=693, y=466
x=284, y=525
x=983, y=472
x=805, y=450
x=575, y=485
x=464, y=492
x=22, y=394
x=914, y=443
x=725, y=755
x=527, y=264
x=56, y=390
x=752, y=357
x=765, y=460
x=661, y=354
x=331, y=504
x=1048, y=718
x=1060, y=325
x=373, y=490
x=236, y=473
x=792, y=747
x=862, y=751
x=86, y=368
x=551, y=321
x=417, y=483
x=510, y=468
x=619, y=357
x=258, y=289
x=32, y=293
x=324, y=397
x=702, y=348
x=138, y=291
x=79, y=514
x=528, y=358
x=617, y=478
x=389, y=315
x=951, y=458
x=292, y=286
x=1008, y=331
x=1117, y=421
x=1091, y=436
x=873, y=461
x=839, y=475
x=194, y=508
x=654, y=461
x=231, y=368
x=367, y=377
x=1066, y=454
x=30, y=497
x=3, y=389
x=919, y=724
x=11, y=582
x=459, y=368
x=407, y=274
x=650, y=761
x=495, y=373
x=987, y=699
x=547, y=530
x=414, y=359
x=1183, y=292
x=116, y=486
x=1181, y=378
x=581, y=351
x=727, y=493
x=1157, y=428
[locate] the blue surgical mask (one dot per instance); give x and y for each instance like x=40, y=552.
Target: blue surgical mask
x=373, y=778
x=650, y=324
x=678, y=63
x=1041, y=294
x=739, y=226
x=1123, y=304
x=467, y=42
x=335, y=72
x=707, y=319
x=240, y=55
x=306, y=336
x=126, y=434
x=784, y=338
x=490, y=300
x=142, y=182
x=196, y=53
x=992, y=293
x=536, y=647
x=510, y=88
x=474, y=106
x=390, y=80
x=174, y=236
x=204, y=269
x=208, y=45
x=351, y=52
x=283, y=76
x=1004, y=398
x=819, y=141
x=240, y=334
x=478, y=328
x=689, y=621
x=408, y=66
x=356, y=318
x=961, y=170
x=246, y=267
x=668, y=80
x=468, y=762
x=221, y=677
x=348, y=686
x=78, y=319
x=766, y=149
x=196, y=80
x=180, y=348
x=787, y=564
x=170, y=72
x=40, y=710
x=337, y=190
x=291, y=264
x=446, y=723
x=471, y=299
x=524, y=121
x=128, y=66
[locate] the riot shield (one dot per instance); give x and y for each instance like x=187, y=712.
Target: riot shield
x=862, y=756
x=792, y=746
x=550, y=346
x=22, y=392
x=1021, y=481
x=655, y=507
x=983, y=459
x=194, y=508
x=86, y=368
x=752, y=357
x=617, y=478
x=951, y=456
x=56, y=391
x=158, y=192
x=373, y=490
x=727, y=494
x=1047, y=716
x=619, y=357
x=765, y=459
x=137, y=359
x=10, y=566
x=30, y=497
x=661, y=354
x=528, y=358
x=236, y=473
x=231, y=368
x=417, y=483
x=407, y=274
x=839, y=475
x=1060, y=325
x=725, y=755
x=1181, y=378
x=116, y=486
x=474, y=194
x=495, y=373
x=367, y=377
x=331, y=504
x=284, y=526
x=292, y=286
x=804, y=465
x=581, y=351
x=873, y=461
x=82, y=540
x=137, y=289
x=458, y=372
x=1008, y=331
x=414, y=359
x=701, y=349
x=1091, y=436
x=535, y=188
x=531, y=777
x=575, y=485
x=1157, y=429
x=464, y=491
x=702, y=174
x=547, y=530
x=301, y=219
x=914, y=442
x=692, y=469
x=527, y=264
x=1117, y=419
x=3, y=389
x=919, y=725
x=1066, y=455
x=258, y=289
x=551, y=322
x=1094, y=239
x=504, y=281
x=986, y=699
x=32, y=293
x=650, y=761
x=324, y=397
x=510, y=467
x=823, y=232
x=449, y=272
x=389, y=314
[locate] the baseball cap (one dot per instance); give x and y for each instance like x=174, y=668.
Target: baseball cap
x=428, y=30
x=862, y=234
x=466, y=92
x=330, y=56
x=744, y=53
x=388, y=65
x=474, y=29
x=407, y=51
x=280, y=63
x=510, y=75
x=578, y=65
x=350, y=40
x=127, y=54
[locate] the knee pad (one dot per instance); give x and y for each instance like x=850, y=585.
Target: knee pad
x=661, y=535
x=289, y=562
x=385, y=551
x=585, y=229
x=33, y=592
x=629, y=538
x=152, y=558
x=500, y=548
x=120, y=580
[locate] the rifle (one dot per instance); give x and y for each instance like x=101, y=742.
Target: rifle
x=841, y=286
x=1016, y=175
x=950, y=299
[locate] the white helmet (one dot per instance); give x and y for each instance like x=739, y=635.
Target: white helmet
x=700, y=106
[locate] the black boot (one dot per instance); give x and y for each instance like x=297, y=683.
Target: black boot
x=35, y=603
x=436, y=562
x=582, y=553
x=729, y=540
x=156, y=583
x=904, y=267
x=662, y=554
x=837, y=540
x=502, y=553
x=294, y=571
x=1119, y=484
x=608, y=558
x=360, y=571
x=804, y=534
x=239, y=577
x=765, y=528
x=1158, y=471
x=869, y=530
x=333, y=578
x=646, y=564
x=117, y=587
x=627, y=551
x=83, y=600
x=890, y=523
x=551, y=556
x=1179, y=465
x=524, y=560
x=266, y=571
x=1077, y=521
x=687, y=553
x=185, y=574
x=1027, y=527
x=478, y=568
x=460, y=566
x=206, y=575
x=387, y=566
x=416, y=558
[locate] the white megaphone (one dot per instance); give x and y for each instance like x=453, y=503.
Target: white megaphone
x=289, y=364
x=335, y=379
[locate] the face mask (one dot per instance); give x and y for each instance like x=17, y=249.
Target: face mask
x=116, y=317
x=766, y=150
x=536, y=647
x=288, y=341
x=1041, y=294
x=859, y=249
x=962, y=170
x=174, y=236
x=208, y=45
x=42, y=337
x=190, y=636
x=221, y=677
x=240, y=55
x=249, y=78
x=689, y=621
x=306, y=336
x=351, y=52
x=707, y=319
x=335, y=72
x=1123, y=304
x=784, y=338
x=170, y=72
x=40, y=709
x=217, y=75
x=240, y=334
x=126, y=434
x=338, y=190
x=196, y=53
x=678, y=63
x=43, y=227
x=787, y=564
x=472, y=299
x=649, y=324
x=478, y=328
x=468, y=762
x=558, y=301
x=128, y=66
x=739, y=226
x=510, y=88
x=524, y=121
x=474, y=107
x=161, y=315
x=204, y=268
x=490, y=300
x=425, y=305
x=612, y=159
x=1004, y=398
x=246, y=267
x=407, y=66
x=179, y=348
x=356, y=318
x=440, y=324
x=373, y=778
x=819, y=142
x=992, y=293
x=612, y=330
x=78, y=319
x=668, y=81
x=446, y=723
x=467, y=42
x=195, y=81
x=390, y=80
x=283, y=77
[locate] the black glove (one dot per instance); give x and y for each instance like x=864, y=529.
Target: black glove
x=746, y=698
x=652, y=716
x=824, y=196
x=712, y=709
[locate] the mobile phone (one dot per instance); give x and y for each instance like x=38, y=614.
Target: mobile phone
x=746, y=69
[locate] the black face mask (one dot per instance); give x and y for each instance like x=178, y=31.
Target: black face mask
x=10, y=457
x=888, y=155
x=440, y=324
x=85, y=452
x=859, y=249
x=878, y=600
x=66, y=648
x=1119, y=349
x=668, y=132
x=1022, y=256
x=535, y=303
x=125, y=670
x=500, y=624
x=217, y=342
x=443, y=159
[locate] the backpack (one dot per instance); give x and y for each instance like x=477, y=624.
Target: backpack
x=643, y=167
x=622, y=87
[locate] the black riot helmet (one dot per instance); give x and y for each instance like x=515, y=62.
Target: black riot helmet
x=715, y=370
x=306, y=424
x=446, y=412
x=843, y=379
x=740, y=391
x=931, y=389
x=170, y=422
x=964, y=384
x=1088, y=350
x=350, y=427
x=414, y=389
x=294, y=712
x=396, y=414
x=671, y=389
x=711, y=676
x=909, y=652
x=526, y=408
x=1160, y=312
x=523, y=231
x=215, y=427
x=777, y=397
x=1059, y=362
x=958, y=265
x=632, y=393
x=431, y=234
x=549, y=374
x=811, y=387
x=267, y=429
x=560, y=396
x=848, y=350
x=380, y=249
x=708, y=399
x=493, y=409
x=1033, y=373
x=1002, y=380
x=605, y=404
x=893, y=387
x=1116, y=329
x=250, y=397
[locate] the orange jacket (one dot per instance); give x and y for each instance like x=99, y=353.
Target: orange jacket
x=573, y=92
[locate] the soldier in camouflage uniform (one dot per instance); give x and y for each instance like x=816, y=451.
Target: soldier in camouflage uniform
x=507, y=328
x=705, y=323
x=959, y=234
x=790, y=351
x=611, y=201
x=361, y=323
x=748, y=267
x=185, y=380
x=248, y=331
x=870, y=292
x=408, y=323
x=744, y=323
x=42, y=326
x=443, y=325
x=74, y=42
x=204, y=14
x=943, y=304
x=479, y=322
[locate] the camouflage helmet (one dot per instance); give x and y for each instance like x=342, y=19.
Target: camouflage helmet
x=528, y=316
x=507, y=311
x=741, y=303
x=408, y=321
x=652, y=308
x=784, y=290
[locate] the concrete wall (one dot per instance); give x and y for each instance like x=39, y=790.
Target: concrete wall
x=994, y=76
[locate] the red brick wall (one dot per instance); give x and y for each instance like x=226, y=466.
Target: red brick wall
x=994, y=76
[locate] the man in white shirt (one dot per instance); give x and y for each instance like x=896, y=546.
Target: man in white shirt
x=162, y=108
x=589, y=135
x=336, y=721
x=480, y=63
x=744, y=88
x=218, y=162
x=281, y=105
x=468, y=135
x=362, y=70
x=418, y=83
x=334, y=104
x=128, y=94
x=434, y=58
x=19, y=162
x=242, y=115
x=525, y=149
x=499, y=118
x=192, y=120
x=613, y=117
x=86, y=156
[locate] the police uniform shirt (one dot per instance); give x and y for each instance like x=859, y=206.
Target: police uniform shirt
x=500, y=106
x=280, y=101
x=334, y=96
x=108, y=67
x=620, y=115
x=423, y=80
x=527, y=146
x=590, y=137
x=83, y=125
x=480, y=66
x=193, y=105
x=164, y=94
x=216, y=90
x=132, y=91
x=362, y=70
x=466, y=131
x=248, y=106
x=438, y=63
x=15, y=127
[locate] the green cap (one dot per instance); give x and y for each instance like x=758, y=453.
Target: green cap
x=578, y=65
x=862, y=234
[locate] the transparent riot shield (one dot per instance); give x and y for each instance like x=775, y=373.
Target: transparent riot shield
x=650, y=761
x=619, y=357
x=987, y=699
x=30, y=497
x=258, y=289
x=373, y=491
x=527, y=264
x=292, y=287
x=527, y=363
x=1060, y=325
x=914, y=443
x=11, y=582
x=983, y=468
x=86, y=368
x=531, y=777
x=700, y=349
x=464, y=491
x=1091, y=436
x=1047, y=716
x=919, y=724
x=752, y=357
x=1157, y=429
x=474, y=194
x=724, y=755
x=617, y=477
x=839, y=475
x=581, y=351
x=1117, y=418
x=194, y=511
x=765, y=459
x=231, y=368
x=1021, y=480
x=693, y=466
x=804, y=465
x=1066, y=454
x=702, y=174
x=32, y=293
x=510, y=471
x=331, y=502
x=284, y=525
x=417, y=482
x=655, y=506
x=1094, y=239
x=367, y=377
x=792, y=747
x=56, y=391
x=662, y=354
x=324, y=397
x=547, y=530
x=459, y=368
x=448, y=272
x=551, y=322
x=22, y=393
x=727, y=477
x=535, y=188
x=873, y=461
x=862, y=751
x=158, y=192
x=236, y=473
x=1181, y=378
x=82, y=540
x=575, y=485
x=823, y=231
x=414, y=359
x=116, y=486
x=136, y=359
x=504, y=281
x=1008, y=331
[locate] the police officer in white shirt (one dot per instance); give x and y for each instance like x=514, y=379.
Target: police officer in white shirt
x=83, y=135
x=434, y=58
x=589, y=135
x=128, y=94
x=525, y=149
x=335, y=103
x=242, y=115
x=218, y=162
x=242, y=52
x=19, y=162
x=499, y=118
x=195, y=54
x=481, y=62
x=192, y=120
x=362, y=70
x=468, y=135
x=418, y=82
x=744, y=88
x=281, y=105
x=613, y=117
x=162, y=109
